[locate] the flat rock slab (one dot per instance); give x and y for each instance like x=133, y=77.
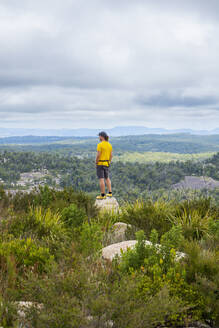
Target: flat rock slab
x=109, y=204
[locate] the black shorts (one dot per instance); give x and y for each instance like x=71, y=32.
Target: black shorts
x=102, y=172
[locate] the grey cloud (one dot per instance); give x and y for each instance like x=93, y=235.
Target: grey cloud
x=83, y=61
x=165, y=100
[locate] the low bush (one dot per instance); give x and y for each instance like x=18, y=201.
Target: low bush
x=72, y=216
x=47, y=197
x=60, y=296
x=202, y=271
x=39, y=224
x=146, y=215
x=90, y=238
x=213, y=234
x=26, y=254
x=147, y=255
x=129, y=307
x=8, y=314
x=160, y=268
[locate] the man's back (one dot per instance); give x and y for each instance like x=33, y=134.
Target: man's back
x=105, y=149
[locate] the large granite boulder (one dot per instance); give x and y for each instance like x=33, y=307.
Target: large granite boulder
x=111, y=251
x=109, y=204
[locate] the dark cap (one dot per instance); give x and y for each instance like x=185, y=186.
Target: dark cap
x=104, y=135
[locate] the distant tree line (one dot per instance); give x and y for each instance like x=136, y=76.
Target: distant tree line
x=126, y=177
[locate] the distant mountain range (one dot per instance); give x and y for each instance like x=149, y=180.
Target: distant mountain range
x=114, y=132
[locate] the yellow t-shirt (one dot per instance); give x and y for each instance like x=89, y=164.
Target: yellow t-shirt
x=105, y=149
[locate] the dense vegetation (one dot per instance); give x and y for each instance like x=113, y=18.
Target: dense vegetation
x=130, y=180
x=50, y=255
x=51, y=241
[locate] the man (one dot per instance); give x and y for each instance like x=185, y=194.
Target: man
x=103, y=160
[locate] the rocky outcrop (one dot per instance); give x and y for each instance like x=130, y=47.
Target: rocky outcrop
x=109, y=204
x=196, y=183
x=24, y=306
x=119, y=230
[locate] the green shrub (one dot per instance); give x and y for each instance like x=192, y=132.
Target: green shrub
x=61, y=295
x=191, y=302
x=146, y=255
x=55, y=199
x=200, y=261
x=39, y=224
x=213, y=231
x=172, y=238
x=213, y=226
x=8, y=291
x=202, y=268
x=132, y=307
x=43, y=196
x=73, y=216
x=8, y=314
x=158, y=268
x=27, y=254
x=90, y=239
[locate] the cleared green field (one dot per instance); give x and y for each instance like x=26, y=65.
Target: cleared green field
x=164, y=157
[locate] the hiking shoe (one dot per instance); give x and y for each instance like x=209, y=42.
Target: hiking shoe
x=109, y=195
x=101, y=197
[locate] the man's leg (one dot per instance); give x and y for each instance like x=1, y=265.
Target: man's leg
x=108, y=183
x=102, y=186
x=100, y=175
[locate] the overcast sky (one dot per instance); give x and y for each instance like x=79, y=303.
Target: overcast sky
x=104, y=63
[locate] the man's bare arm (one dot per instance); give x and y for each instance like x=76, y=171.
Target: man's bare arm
x=97, y=157
x=111, y=156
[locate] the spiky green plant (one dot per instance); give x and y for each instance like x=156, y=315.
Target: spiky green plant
x=149, y=215
x=194, y=225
